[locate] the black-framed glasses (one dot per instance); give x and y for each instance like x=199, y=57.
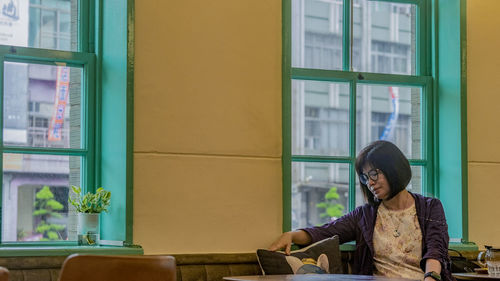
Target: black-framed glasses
x=372, y=174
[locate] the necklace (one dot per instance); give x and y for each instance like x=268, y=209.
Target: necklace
x=394, y=221
x=396, y=232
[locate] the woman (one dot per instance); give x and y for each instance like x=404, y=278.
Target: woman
x=397, y=233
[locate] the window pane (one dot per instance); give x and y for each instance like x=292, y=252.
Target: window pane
x=384, y=37
x=317, y=34
x=42, y=105
x=326, y=184
x=417, y=179
x=35, y=197
x=360, y=198
x=320, y=118
x=49, y=24
x=414, y=186
x=392, y=114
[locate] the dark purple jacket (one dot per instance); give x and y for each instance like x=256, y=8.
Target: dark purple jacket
x=358, y=226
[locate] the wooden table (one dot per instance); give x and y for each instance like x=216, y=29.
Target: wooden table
x=312, y=277
x=475, y=276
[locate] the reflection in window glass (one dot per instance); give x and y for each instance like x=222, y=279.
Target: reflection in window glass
x=35, y=197
x=42, y=105
x=320, y=118
x=392, y=114
x=385, y=44
x=320, y=193
x=317, y=34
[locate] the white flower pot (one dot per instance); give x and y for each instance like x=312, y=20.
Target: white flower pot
x=88, y=229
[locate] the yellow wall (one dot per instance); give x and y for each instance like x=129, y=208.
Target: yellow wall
x=483, y=102
x=207, y=152
x=208, y=124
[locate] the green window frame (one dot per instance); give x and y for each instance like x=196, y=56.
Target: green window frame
x=441, y=120
x=105, y=46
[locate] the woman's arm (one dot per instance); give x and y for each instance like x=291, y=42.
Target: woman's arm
x=436, y=238
x=286, y=239
x=344, y=227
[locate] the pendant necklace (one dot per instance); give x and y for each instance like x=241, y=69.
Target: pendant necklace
x=396, y=232
x=391, y=219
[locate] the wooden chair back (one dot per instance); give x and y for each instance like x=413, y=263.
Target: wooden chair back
x=118, y=268
x=4, y=274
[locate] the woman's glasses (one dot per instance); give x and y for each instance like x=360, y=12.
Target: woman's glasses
x=372, y=174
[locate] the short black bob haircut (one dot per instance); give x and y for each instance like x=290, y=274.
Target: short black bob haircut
x=386, y=157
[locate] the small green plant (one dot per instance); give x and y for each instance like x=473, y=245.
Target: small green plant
x=47, y=207
x=332, y=207
x=91, y=202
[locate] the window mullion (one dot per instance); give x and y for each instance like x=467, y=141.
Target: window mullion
x=428, y=147
x=287, y=114
x=322, y=75
x=347, y=35
x=415, y=2
x=39, y=150
x=89, y=124
x=41, y=56
x=321, y=159
x=84, y=30
x=362, y=77
x=352, y=144
x=421, y=67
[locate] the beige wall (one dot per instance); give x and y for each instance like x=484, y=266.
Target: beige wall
x=208, y=124
x=483, y=106
x=207, y=150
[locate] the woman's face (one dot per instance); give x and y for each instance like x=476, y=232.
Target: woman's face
x=378, y=187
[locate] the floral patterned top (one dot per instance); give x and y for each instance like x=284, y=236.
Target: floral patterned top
x=397, y=241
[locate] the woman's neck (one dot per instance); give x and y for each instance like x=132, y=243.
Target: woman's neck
x=401, y=201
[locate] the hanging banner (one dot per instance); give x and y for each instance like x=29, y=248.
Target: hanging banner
x=393, y=118
x=61, y=100
x=14, y=22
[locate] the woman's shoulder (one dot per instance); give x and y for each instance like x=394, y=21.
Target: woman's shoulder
x=364, y=210
x=425, y=199
x=426, y=202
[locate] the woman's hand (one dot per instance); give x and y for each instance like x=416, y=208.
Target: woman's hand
x=284, y=241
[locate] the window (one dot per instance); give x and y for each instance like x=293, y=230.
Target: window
x=66, y=121
x=358, y=73
x=48, y=97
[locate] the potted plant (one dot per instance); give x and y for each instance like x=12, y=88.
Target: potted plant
x=89, y=207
